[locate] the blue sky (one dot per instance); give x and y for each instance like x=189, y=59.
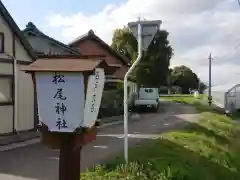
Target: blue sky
x=38, y=11
x=41, y=11
x=208, y=26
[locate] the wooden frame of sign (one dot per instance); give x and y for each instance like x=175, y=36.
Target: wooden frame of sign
x=69, y=143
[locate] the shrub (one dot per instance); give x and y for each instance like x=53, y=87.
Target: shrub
x=112, y=103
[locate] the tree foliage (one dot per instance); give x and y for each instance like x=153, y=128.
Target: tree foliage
x=125, y=43
x=202, y=87
x=185, y=78
x=154, y=66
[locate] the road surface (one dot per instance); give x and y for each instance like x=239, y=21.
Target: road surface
x=36, y=162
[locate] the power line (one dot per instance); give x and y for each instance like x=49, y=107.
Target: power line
x=238, y=43
x=230, y=52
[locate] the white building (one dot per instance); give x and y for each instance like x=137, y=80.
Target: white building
x=14, y=44
x=226, y=96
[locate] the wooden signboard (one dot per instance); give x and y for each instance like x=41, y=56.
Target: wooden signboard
x=93, y=97
x=61, y=100
x=68, y=102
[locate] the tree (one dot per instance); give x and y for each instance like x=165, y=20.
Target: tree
x=154, y=66
x=185, y=78
x=202, y=87
x=125, y=43
x=169, y=79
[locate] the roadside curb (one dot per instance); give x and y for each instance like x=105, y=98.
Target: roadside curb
x=19, y=144
x=111, y=121
x=18, y=139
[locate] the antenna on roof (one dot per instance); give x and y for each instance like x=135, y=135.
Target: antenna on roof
x=90, y=31
x=30, y=25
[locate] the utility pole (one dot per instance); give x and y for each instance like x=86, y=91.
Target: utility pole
x=210, y=81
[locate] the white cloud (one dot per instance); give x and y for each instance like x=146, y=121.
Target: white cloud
x=197, y=27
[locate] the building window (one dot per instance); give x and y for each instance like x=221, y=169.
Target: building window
x=1, y=42
x=6, y=92
x=232, y=94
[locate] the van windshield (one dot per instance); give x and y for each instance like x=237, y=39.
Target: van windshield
x=147, y=93
x=148, y=90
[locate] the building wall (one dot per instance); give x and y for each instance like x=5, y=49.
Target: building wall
x=25, y=120
x=6, y=70
x=132, y=87
x=25, y=101
x=91, y=47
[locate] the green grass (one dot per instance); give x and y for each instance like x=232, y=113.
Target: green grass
x=205, y=150
x=176, y=95
x=183, y=98
x=200, y=103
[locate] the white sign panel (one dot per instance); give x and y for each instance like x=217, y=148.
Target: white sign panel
x=148, y=29
x=60, y=98
x=93, y=98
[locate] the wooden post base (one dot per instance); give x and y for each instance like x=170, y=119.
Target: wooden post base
x=69, y=160
x=70, y=145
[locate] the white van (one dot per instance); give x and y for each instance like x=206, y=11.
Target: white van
x=148, y=98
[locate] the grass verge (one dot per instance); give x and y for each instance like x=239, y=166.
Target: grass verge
x=205, y=150
x=199, y=103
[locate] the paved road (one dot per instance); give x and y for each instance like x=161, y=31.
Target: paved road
x=36, y=162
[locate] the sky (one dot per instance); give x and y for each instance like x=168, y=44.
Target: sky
x=197, y=27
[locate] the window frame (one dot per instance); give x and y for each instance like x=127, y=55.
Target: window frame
x=2, y=41
x=11, y=85
x=232, y=94
x=148, y=90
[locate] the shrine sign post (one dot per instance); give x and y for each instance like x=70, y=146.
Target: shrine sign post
x=69, y=93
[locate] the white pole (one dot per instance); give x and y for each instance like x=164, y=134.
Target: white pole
x=126, y=92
